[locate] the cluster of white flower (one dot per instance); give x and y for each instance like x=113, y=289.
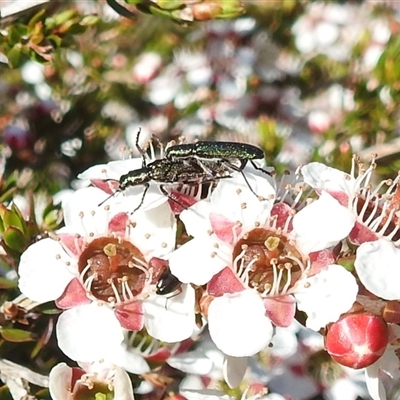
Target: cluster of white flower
x=321, y=247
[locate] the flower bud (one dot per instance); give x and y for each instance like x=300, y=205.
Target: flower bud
x=357, y=340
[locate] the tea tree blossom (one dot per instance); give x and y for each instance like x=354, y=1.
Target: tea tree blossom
x=89, y=381
x=258, y=259
x=386, y=367
x=376, y=228
x=99, y=268
x=106, y=177
x=375, y=239
x=374, y=211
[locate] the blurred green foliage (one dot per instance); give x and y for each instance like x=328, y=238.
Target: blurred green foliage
x=88, y=97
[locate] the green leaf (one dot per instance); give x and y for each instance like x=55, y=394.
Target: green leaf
x=37, y=38
x=89, y=20
x=51, y=219
x=64, y=17
x=347, y=263
x=170, y=4
x=18, y=213
x=15, y=239
x=13, y=35
x=55, y=40
x=7, y=284
x=230, y=9
x=157, y=11
x=17, y=335
x=36, y=18
x=51, y=311
x=5, y=393
x=12, y=219
x=15, y=56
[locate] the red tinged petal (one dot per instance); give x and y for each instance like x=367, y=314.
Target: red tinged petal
x=161, y=355
x=340, y=196
x=71, y=242
x=223, y=282
x=282, y=212
x=118, y=223
x=130, y=316
x=180, y=201
x=320, y=260
x=77, y=374
x=224, y=229
x=74, y=295
x=158, y=266
x=109, y=186
x=361, y=234
x=280, y=310
x=357, y=340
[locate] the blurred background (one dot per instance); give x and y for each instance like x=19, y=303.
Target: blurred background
x=304, y=80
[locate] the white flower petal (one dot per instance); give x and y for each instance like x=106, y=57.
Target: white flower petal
x=234, y=370
x=126, y=358
x=191, y=382
x=197, y=218
x=170, y=319
x=389, y=362
x=238, y=325
x=326, y=295
x=194, y=262
x=377, y=266
x=59, y=381
x=204, y=394
x=375, y=386
x=89, y=333
x=82, y=214
x=123, y=389
x=43, y=276
x=112, y=170
x=319, y=176
x=153, y=197
x=191, y=362
x=284, y=343
x=154, y=231
x=95, y=172
x=234, y=199
x=322, y=224
x=342, y=388
x=293, y=385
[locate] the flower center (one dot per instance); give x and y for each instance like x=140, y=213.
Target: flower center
x=267, y=261
x=113, y=270
x=380, y=216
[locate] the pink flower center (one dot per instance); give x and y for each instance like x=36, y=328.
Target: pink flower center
x=114, y=270
x=267, y=261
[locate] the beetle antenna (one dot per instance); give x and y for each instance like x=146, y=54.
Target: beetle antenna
x=146, y=188
x=140, y=150
x=108, y=197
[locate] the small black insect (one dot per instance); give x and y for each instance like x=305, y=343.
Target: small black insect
x=191, y=164
x=232, y=156
x=167, y=283
x=166, y=172
x=215, y=150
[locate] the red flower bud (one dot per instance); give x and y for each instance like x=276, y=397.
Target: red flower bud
x=357, y=340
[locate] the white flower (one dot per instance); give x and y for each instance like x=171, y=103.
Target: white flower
x=107, y=177
x=101, y=269
x=66, y=383
x=377, y=266
x=386, y=366
x=256, y=260
x=374, y=211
